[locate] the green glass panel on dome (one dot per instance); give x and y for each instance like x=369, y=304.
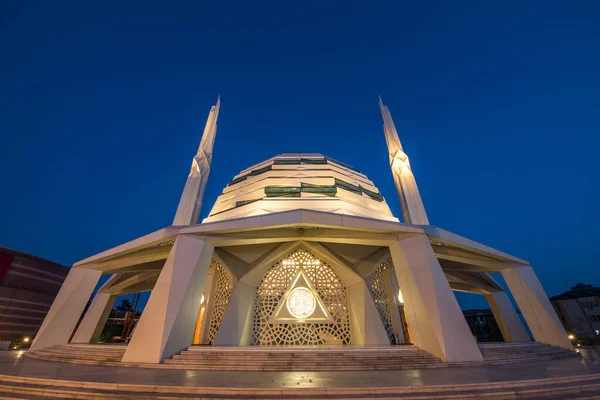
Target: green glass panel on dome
x=348, y=186
x=260, y=170
x=244, y=202
x=371, y=194
x=322, y=189
x=313, y=160
x=252, y=173
x=238, y=180
x=287, y=161
x=285, y=191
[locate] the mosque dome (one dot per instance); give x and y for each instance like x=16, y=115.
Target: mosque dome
x=300, y=181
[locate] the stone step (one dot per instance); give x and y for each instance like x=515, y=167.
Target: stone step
x=503, y=344
x=296, y=352
x=530, y=356
x=252, y=367
x=508, y=355
x=282, y=354
x=504, y=362
x=258, y=352
x=188, y=356
x=300, y=363
x=539, y=351
x=540, y=348
x=99, y=353
x=248, y=357
x=88, y=351
x=78, y=357
x=249, y=360
x=91, y=347
x=262, y=352
x=297, y=368
x=75, y=361
x=299, y=359
x=67, y=352
x=88, y=358
x=578, y=387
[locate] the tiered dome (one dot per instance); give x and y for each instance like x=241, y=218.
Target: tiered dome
x=300, y=181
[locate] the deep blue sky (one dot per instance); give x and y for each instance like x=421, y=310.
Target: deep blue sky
x=102, y=106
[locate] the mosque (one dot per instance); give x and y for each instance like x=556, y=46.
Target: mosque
x=300, y=251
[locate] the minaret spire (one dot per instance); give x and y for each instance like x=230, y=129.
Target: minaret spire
x=188, y=210
x=413, y=211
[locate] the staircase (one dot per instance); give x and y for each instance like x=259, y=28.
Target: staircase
x=303, y=359
x=385, y=358
x=508, y=353
x=90, y=354
x=584, y=387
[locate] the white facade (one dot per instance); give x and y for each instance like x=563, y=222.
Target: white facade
x=301, y=249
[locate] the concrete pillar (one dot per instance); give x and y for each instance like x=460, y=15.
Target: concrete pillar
x=169, y=319
x=508, y=321
x=535, y=306
x=437, y=324
x=365, y=323
x=66, y=310
x=236, y=326
x=95, y=318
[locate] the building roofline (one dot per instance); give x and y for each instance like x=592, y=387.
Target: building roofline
x=19, y=253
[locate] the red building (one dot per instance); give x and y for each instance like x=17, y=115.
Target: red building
x=28, y=286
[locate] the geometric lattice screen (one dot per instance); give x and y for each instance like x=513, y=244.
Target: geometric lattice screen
x=220, y=296
x=382, y=298
x=327, y=284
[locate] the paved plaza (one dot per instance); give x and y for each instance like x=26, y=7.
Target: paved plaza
x=13, y=363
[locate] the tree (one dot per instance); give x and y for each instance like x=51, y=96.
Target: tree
x=125, y=305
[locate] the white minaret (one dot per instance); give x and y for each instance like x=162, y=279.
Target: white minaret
x=188, y=210
x=413, y=211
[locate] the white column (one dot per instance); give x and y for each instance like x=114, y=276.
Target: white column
x=236, y=326
x=169, y=319
x=436, y=322
x=66, y=308
x=95, y=318
x=365, y=322
x=508, y=321
x=535, y=306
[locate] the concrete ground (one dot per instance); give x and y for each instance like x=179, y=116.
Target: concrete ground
x=13, y=363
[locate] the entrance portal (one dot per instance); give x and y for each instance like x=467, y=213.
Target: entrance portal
x=274, y=286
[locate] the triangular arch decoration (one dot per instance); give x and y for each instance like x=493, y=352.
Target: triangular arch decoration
x=325, y=286
x=300, y=304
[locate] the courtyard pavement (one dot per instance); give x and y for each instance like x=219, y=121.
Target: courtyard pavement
x=13, y=363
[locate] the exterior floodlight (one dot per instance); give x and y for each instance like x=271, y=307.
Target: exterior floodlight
x=26, y=339
x=400, y=298
x=571, y=336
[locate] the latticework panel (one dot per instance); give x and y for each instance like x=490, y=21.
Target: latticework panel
x=329, y=287
x=221, y=294
x=381, y=297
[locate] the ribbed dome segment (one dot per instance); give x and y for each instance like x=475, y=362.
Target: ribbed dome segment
x=300, y=181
